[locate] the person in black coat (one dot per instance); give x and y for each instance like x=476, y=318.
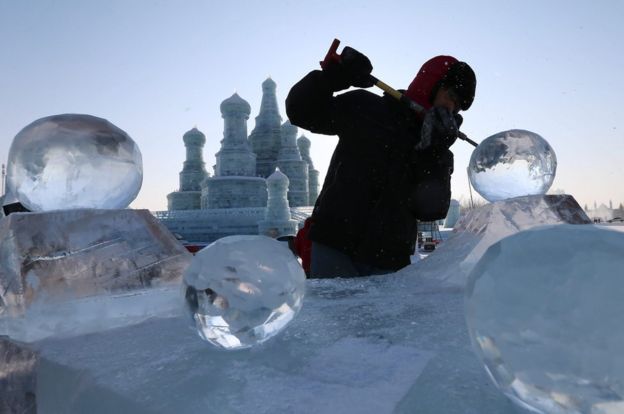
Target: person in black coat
x=391, y=167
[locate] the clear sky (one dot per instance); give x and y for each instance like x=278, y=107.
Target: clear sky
x=158, y=68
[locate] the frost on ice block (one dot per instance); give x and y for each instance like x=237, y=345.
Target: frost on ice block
x=18, y=377
x=478, y=229
x=55, y=258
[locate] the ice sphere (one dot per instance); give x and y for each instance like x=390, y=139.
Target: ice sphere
x=544, y=311
x=511, y=164
x=243, y=290
x=74, y=161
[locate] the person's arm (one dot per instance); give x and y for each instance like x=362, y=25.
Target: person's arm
x=311, y=105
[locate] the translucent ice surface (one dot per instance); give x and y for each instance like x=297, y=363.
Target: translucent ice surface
x=242, y=290
x=395, y=343
x=544, y=309
x=97, y=313
x=74, y=161
x=67, y=272
x=511, y=164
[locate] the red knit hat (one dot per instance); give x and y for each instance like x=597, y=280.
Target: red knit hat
x=443, y=70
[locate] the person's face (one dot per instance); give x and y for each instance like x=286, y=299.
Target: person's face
x=447, y=98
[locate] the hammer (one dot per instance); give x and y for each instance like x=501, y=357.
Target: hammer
x=332, y=56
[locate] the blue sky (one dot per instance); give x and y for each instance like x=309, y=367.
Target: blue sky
x=158, y=68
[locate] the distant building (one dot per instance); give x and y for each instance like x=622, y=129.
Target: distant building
x=193, y=173
x=234, y=200
x=266, y=136
x=601, y=213
x=291, y=163
x=313, y=175
x=235, y=184
x=277, y=217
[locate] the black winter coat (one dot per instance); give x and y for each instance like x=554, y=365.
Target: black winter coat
x=377, y=185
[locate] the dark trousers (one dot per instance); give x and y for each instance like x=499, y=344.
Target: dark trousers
x=327, y=262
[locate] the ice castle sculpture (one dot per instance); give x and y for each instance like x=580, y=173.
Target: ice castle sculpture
x=290, y=162
x=192, y=174
x=266, y=136
x=277, y=220
x=313, y=175
x=235, y=183
x=234, y=200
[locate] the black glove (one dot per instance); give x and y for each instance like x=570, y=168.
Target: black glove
x=440, y=128
x=354, y=69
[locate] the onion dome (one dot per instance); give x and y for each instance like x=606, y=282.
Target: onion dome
x=235, y=105
x=278, y=177
x=289, y=129
x=303, y=142
x=269, y=84
x=194, y=137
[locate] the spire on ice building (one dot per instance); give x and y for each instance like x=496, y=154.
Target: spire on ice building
x=265, y=138
x=296, y=169
x=277, y=220
x=194, y=169
x=235, y=157
x=313, y=175
x=235, y=183
x=188, y=197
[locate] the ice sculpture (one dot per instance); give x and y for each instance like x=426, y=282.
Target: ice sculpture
x=65, y=273
x=74, y=161
x=544, y=309
x=243, y=290
x=381, y=344
x=511, y=164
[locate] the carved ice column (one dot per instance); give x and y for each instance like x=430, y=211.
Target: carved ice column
x=265, y=138
x=193, y=173
x=290, y=163
x=313, y=175
x=235, y=184
x=277, y=220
